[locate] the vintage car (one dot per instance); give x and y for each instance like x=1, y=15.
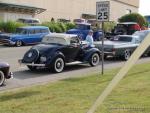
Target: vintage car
x=141, y=34
x=124, y=28
x=30, y=21
x=4, y=72
x=25, y=36
x=82, y=30
x=57, y=50
x=122, y=46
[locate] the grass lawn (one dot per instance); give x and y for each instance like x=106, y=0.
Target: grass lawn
x=76, y=95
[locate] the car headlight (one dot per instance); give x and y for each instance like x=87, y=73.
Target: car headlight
x=43, y=59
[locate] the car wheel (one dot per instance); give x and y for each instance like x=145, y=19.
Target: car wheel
x=2, y=78
x=127, y=54
x=58, y=65
x=32, y=68
x=94, y=60
x=18, y=43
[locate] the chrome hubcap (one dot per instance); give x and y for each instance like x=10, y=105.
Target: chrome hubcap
x=95, y=59
x=127, y=55
x=59, y=65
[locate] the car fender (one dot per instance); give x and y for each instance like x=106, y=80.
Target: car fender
x=51, y=59
x=18, y=38
x=88, y=53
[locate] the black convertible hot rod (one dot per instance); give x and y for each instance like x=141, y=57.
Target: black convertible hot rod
x=57, y=50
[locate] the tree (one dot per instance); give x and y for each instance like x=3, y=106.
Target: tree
x=134, y=17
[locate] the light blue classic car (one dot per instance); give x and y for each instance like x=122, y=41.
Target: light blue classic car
x=24, y=36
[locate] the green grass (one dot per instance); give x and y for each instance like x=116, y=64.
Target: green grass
x=76, y=95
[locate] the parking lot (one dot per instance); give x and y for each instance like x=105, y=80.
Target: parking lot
x=23, y=77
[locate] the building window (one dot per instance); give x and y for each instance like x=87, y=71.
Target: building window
x=128, y=11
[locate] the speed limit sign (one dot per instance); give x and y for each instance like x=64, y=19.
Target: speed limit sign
x=102, y=11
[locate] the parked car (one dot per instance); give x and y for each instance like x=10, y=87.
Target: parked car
x=125, y=28
x=123, y=46
x=82, y=29
x=79, y=21
x=141, y=34
x=24, y=36
x=63, y=20
x=30, y=21
x=4, y=72
x=57, y=50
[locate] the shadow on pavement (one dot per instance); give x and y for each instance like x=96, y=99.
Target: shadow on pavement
x=27, y=74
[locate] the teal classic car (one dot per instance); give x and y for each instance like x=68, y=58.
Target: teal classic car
x=122, y=46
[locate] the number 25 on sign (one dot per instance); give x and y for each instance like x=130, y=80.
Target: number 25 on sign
x=102, y=10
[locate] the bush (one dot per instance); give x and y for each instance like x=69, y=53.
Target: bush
x=70, y=26
x=134, y=17
x=62, y=26
x=108, y=26
x=50, y=25
x=10, y=26
x=58, y=27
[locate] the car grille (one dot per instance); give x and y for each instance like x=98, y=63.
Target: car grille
x=4, y=41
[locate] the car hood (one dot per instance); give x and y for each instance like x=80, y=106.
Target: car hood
x=111, y=44
x=8, y=35
x=5, y=36
x=46, y=48
x=73, y=31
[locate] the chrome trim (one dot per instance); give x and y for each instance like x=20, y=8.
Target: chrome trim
x=31, y=64
x=11, y=75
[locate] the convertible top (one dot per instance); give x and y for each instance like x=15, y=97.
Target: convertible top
x=58, y=38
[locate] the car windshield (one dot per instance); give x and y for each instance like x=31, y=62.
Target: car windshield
x=54, y=40
x=82, y=27
x=141, y=34
x=21, y=31
x=124, y=39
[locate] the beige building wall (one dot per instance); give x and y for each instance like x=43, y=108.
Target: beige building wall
x=71, y=9
x=130, y=2
x=118, y=9
x=68, y=9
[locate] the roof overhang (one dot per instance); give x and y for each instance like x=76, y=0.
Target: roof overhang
x=20, y=8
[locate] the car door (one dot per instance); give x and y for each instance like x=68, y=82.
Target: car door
x=38, y=35
x=34, y=36
x=71, y=51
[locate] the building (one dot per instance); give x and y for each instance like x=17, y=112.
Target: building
x=119, y=8
x=62, y=9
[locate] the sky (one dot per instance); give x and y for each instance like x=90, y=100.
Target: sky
x=144, y=7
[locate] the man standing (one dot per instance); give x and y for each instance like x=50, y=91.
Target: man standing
x=89, y=39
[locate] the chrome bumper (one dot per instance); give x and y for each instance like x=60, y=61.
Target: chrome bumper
x=107, y=52
x=31, y=64
x=7, y=42
x=9, y=76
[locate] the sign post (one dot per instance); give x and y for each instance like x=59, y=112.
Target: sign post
x=102, y=15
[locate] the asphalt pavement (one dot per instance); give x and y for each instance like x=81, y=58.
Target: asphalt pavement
x=23, y=77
